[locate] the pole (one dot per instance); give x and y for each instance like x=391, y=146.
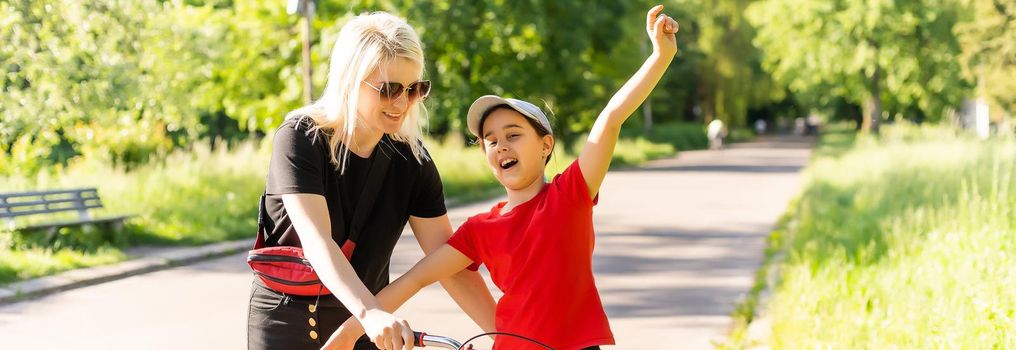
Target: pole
x=307, y=14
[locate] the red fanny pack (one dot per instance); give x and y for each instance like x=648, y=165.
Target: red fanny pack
x=285, y=269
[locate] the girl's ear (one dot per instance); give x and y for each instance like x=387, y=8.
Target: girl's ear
x=548, y=145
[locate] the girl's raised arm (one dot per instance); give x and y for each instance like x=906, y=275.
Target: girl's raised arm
x=595, y=156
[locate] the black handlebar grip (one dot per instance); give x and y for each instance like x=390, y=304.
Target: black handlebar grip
x=418, y=338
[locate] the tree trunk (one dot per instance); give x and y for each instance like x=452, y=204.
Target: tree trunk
x=647, y=106
x=873, y=103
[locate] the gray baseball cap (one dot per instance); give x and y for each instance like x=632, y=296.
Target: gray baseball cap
x=485, y=103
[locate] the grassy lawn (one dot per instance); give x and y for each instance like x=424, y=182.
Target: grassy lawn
x=903, y=241
x=203, y=196
x=195, y=197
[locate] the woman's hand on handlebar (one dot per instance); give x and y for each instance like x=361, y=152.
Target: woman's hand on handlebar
x=387, y=331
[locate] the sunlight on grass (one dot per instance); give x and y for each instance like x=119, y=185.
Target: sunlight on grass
x=906, y=240
x=35, y=262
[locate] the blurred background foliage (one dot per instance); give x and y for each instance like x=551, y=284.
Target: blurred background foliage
x=125, y=81
x=165, y=104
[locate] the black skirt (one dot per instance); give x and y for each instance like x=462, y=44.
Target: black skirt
x=280, y=321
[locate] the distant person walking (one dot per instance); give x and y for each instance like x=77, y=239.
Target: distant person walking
x=715, y=131
x=760, y=126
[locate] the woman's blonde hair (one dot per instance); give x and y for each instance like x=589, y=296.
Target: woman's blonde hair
x=366, y=43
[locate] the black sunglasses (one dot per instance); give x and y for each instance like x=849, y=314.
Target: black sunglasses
x=393, y=90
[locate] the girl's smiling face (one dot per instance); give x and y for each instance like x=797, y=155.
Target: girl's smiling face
x=516, y=152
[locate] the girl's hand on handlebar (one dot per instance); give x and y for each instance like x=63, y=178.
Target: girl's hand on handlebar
x=345, y=337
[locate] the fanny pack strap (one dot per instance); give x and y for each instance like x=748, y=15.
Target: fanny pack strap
x=260, y=241
x=375, y=178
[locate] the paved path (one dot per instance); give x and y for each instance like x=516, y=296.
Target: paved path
x=678, y=242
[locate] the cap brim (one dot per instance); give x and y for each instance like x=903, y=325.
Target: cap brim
x=478, y=108
x=484, y=104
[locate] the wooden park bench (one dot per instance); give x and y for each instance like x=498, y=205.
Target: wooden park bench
x=23, y=204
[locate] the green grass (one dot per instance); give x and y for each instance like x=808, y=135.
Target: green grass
x=201, y=195
x=682, y=136
x=906, y=240
x=193, y=197
x=739, y=135
x=638, y=151
x=16, y=265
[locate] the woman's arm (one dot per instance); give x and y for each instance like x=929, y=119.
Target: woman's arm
x=466, y=287
x=596, y=155
x=443, y=262
x=309, y=213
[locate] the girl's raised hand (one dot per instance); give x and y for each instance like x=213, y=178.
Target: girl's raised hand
x=662, y=30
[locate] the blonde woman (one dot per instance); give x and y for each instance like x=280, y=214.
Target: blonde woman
x=321, y=158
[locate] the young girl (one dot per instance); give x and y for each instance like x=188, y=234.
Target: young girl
x=538, y=244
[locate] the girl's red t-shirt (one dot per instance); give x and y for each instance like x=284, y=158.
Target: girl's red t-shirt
x=540, y=255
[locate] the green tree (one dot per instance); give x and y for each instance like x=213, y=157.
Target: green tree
x=876, y=53
x=256, y=73
x=106, y=79
x=523, y=49
x=731, y=80
x=988, y=38
x=125, y=80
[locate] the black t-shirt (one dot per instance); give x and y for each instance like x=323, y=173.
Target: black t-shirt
x=301, y=164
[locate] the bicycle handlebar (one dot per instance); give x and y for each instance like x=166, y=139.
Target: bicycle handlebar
x=422, y=339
